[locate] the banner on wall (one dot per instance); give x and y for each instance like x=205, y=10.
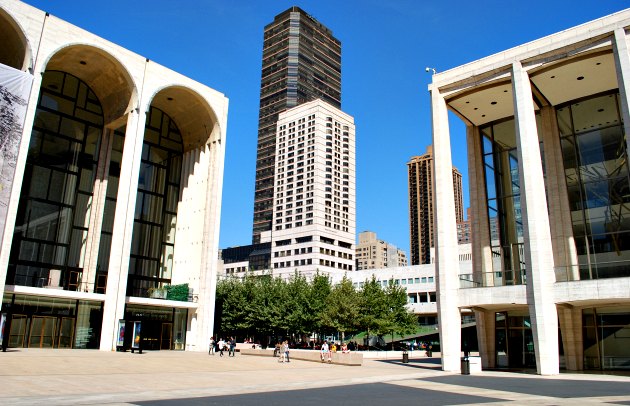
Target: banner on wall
x=15, y=87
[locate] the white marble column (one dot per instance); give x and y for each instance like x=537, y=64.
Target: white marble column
x=572, y=340
x=564, y=251
x=622, y=64
x=116, y=292
x=486, y=337
x=538, y=248
x=445, y=236
x=95, y=220
x=210, y=261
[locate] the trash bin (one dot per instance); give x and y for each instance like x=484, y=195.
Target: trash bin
x=405, y=357
x=465, y=366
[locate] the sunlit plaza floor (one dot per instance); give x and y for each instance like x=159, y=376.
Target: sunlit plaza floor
x=74, y=377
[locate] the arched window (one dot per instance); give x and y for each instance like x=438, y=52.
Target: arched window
x=52, y=222
x=153, y=241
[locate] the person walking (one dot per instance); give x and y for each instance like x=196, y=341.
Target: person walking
x=211, y=346
x=221, y=347
x=285, y=349
x=232, y=344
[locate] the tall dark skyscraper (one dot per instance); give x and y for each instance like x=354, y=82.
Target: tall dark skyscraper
x=301, y=62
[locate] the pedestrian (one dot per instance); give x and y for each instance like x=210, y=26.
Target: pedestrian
x=221, y=347
x=232, y=344
x=276, y=350
x=211, y=346
x=285, y=349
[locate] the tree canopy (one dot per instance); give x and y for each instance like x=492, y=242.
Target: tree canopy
x=266, y=307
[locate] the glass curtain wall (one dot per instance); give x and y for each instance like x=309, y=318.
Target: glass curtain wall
x=503, y=202
x=153, y=241
x=53, y=215
x=596, y=171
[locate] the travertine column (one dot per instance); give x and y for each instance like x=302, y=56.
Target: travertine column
x=123, y=230
x=538, y=251
x=564, y=252
x=445, y=236
x=95, y=222
x=622, y=64
x=486, y=337
x=481, y=249
x=572, y=341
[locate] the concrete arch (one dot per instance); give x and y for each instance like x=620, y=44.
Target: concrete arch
x=15, y=50
x=106, y=76
x=195, y=118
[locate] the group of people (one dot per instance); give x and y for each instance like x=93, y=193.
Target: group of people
x=326, y=350
x=222, y=345
x=282, y=351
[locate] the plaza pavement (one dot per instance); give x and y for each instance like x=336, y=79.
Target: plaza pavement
x=88, y=377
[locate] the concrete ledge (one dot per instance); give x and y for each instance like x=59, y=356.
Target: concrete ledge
x=351, y=358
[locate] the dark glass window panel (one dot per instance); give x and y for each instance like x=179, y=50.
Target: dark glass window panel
x=175, y=169
x=152, y=208
x=108, y=216
x=77, y=247
x=87, y=180
x=28, y=250
x=172, y=199
x=39, y=181
x=72, y=128
x=45, y=120
x=56, y=151
x=82, y=210
x=71, y=86
x=152, y=136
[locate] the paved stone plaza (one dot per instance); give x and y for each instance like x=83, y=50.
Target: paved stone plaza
x=77, y=377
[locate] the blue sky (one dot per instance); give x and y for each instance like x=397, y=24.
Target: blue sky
x=386, y=45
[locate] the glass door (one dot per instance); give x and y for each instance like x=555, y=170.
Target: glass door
x=43, y=331
x=166, y=338
x=66, y=332
x=19, y=327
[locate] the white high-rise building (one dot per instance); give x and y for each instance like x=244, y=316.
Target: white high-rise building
x=315, y=191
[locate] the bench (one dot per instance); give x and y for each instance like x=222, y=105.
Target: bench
x=351, y=358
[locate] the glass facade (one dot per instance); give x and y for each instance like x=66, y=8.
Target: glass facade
x=596, y=170
x=49, y=240
x=606, y=332
x=503, y=201
x=163, y=328
x=47, y=322
x=153, y=240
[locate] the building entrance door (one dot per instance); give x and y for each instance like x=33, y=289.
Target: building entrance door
x=167, y=336
x=42, y=333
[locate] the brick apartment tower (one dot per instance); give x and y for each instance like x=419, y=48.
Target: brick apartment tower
x=421, y=205
x=301, y=62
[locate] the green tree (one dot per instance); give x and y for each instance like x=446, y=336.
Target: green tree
x=398, y=320
x=298, y=316
x=342, y=310
x=318, y=299
x=373, y=308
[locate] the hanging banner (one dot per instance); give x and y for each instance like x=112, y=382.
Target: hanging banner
x=135, y=343
x=120, y=341
x=3, y=322
x=15, y=87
